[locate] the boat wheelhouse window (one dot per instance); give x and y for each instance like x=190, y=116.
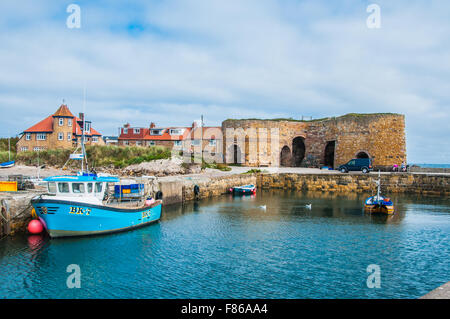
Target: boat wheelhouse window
x=63, y=187
x=89, y=187
x=51, y=187
x=98, y=187
x=78, y=187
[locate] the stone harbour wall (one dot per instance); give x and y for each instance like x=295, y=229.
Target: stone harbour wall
x=426, y=184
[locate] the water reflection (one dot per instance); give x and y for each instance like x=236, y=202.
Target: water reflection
x=232, y=247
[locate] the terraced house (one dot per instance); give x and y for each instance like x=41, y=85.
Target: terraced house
x=190, y=139
x=59, y=130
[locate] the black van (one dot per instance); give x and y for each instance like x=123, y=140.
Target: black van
x=357, y=164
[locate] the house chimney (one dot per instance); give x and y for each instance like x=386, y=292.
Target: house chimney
x=152, y=125
x=81, y=116
x=194, y=124
x=127, y=125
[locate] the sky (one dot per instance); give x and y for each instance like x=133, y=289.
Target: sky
x=170, y=62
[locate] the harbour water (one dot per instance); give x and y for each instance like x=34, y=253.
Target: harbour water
x=231, y=247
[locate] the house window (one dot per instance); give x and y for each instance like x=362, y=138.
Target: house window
x=69, y=136
x=139, y=143
x=156, y=132
x=28, y=136
x=176, y=131
x=24, y=148
x=152, y=143
x=38, y=148
x=125, y=142
x=69, y=122
x=125, y=131
x=195, y=142
x=94, y=138
x=61, y=122
x=137, y=130
x=177, y=143
x=87, y=128
x=41, y=137
x=212, y=142
x=60, y=136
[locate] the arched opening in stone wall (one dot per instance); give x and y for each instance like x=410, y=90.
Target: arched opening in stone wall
x=298, y=151
x=329, y=154
x=285, y=156
x=362, y=155
x=236, y=151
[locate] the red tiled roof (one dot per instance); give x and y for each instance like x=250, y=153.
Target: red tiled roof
x=63, y=110
x=46, y=125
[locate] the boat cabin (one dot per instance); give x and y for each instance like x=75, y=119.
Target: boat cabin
x=79, y=186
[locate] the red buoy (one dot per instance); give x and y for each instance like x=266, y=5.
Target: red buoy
x=35, y=227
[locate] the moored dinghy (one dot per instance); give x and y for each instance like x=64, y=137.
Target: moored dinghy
x=245, y=190
x=7, y=164
x=378, y=203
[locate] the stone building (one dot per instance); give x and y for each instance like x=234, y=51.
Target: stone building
x=59, y=130
x=323, y=142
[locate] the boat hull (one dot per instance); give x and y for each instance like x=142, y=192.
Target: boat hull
x=63, y=218
x=244, y=190
x=7, y=164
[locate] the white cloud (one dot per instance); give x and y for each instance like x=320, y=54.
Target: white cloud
x=229, y=59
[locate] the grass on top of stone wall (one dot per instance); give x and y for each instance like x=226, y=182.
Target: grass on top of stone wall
x=290, y=119
x=98, y=156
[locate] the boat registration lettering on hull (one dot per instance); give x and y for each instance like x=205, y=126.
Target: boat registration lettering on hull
x=80, y=211
x=146, y=214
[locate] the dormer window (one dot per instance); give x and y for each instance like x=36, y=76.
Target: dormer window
x=137, y=131
x=176, y=131
x=125, y=131
x=61, y=121
x=156, y=132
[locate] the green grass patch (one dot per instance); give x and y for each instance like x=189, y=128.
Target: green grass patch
x=98, y=156
x=253, y=171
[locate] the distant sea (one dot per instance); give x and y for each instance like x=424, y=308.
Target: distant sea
x=433, y=165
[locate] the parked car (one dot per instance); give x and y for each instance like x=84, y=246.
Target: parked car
x=357, y=164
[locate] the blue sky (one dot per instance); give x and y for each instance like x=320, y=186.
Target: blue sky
x=171, y=61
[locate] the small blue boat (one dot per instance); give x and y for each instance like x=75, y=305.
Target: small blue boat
x=79, y=205
x=378, y=204
x=7, y=164
x=243, y=190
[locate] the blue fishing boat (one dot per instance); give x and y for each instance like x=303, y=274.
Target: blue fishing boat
x=79, y=205
x=243, y=190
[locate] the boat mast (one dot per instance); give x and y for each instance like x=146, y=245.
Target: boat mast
x=9, y=148
x=82, y=130
x=379, y=182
